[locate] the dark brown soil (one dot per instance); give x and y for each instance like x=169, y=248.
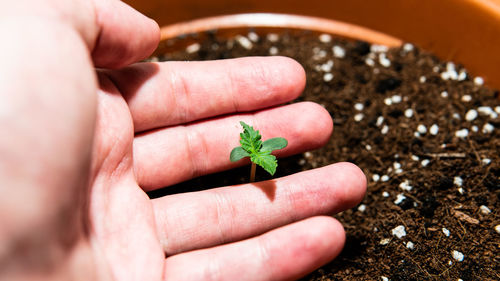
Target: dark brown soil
x=414, y=178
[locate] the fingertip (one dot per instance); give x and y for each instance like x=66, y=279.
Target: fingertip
x=330, y=234
x=318, y=240
x=294, y=75
x=352, y=182
x=320, y=120
x=126, y=36
x=333, y=188
x=314, y=127
x=267, y=81
x=154, y=36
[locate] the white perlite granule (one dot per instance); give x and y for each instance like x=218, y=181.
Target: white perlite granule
x=253, y=36
x=405, y=185
x=327, y=66
x=376, y=48
x=325, y=38
x=462, y=75
x=484, y=210
x=380, y=120
x=408, y=113
x=338, y=52
x=399, y=198
x=399, y=231
x=362, y=208
x=471, y=115
x=408, y=47
x=383, y=60
x=425, y=162
x=358, y=117
x=446, y=232
x=244, y=42
x=463, y=133
x=486, y=110
x=396, y=99
x=478, y=80
x=384, y=130
x=434, y=129
x=384, y=241
x=193, y=48
x=488, y=128
x=422, y=129
x=327, y=77
x=458, y=256
x=466, y=98
x=369, y=62
x=273, y=37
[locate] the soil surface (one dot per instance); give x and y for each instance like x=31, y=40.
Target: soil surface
x=426, y=134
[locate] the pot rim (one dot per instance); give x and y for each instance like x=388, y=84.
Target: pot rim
x=274, y=20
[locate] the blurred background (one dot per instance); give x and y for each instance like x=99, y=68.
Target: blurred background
x=465, y=31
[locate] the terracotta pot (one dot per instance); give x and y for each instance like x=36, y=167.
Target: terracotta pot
x=231, y=25
x=464, y=31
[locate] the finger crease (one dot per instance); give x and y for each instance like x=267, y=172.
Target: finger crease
x=263, y=252
x=233, y=92
x=179, y=88
x=223, y=215
x=219, y=214
x=190, y=150
x=292, y=214
x=184, y=85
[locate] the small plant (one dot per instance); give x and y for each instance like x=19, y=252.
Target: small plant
x=259, y=152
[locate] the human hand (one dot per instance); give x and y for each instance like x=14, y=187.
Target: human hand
x=157, y=124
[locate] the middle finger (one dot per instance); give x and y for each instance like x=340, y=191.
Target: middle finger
x=171, y=155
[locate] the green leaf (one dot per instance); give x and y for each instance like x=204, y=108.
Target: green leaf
x=267, y=161
x=274, y=144
x=258, y=151
x=250, y=139
x=237, y=153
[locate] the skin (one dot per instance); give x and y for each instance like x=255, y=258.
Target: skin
x=80, y=147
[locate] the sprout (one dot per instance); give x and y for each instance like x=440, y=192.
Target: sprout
x=259, y=152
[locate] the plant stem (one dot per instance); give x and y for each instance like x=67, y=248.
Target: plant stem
x=252, y=172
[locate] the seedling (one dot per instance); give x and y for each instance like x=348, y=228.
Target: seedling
x=259, y=152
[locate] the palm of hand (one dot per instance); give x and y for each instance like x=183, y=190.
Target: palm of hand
x=215, y=234
x=121, y=214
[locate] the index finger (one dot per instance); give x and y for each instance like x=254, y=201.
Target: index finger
x=172, y=93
